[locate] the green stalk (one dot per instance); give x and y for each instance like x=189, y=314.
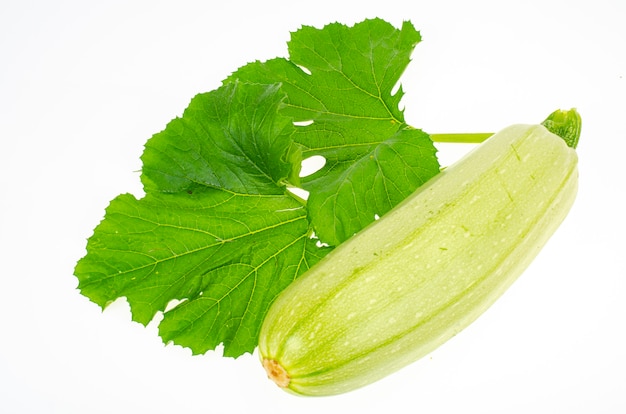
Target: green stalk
x=461, y=138
x=566, y=124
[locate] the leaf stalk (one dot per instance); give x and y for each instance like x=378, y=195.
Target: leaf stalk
x=462, y=138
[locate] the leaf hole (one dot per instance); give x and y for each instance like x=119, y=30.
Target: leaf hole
x=303, y=123
x=305, y=69
x=300, y=192
x=173, y=303
x=312, y=165
x=321, y=244
x=318, y=242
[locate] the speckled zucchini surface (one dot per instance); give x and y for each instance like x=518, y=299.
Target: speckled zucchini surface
x=413, y=279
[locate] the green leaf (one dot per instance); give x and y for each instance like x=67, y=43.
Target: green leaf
x=230, y=138
x=348, y=195
x=217, y=229
x=341, y=78
x=228, y=255
x=566, y=124
x=218, y=234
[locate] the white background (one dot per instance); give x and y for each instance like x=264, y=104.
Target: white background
x=84, y=84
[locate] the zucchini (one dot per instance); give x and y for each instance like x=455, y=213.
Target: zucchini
x=420, y=274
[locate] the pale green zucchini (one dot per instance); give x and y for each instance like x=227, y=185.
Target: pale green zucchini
x=413, y=279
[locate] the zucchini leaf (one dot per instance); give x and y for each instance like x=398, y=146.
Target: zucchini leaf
x=218, y=234
x=339, y=82
x=216, y=230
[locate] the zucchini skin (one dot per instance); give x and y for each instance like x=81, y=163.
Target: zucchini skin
x=423, y=272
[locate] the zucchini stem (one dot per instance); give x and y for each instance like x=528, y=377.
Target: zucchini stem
x=566, y=124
